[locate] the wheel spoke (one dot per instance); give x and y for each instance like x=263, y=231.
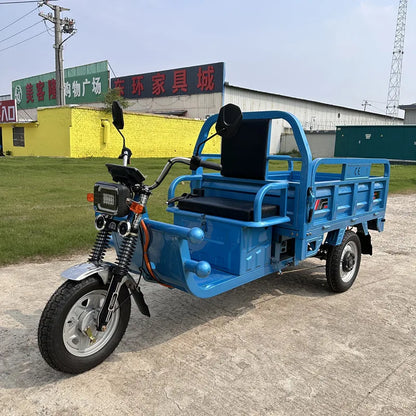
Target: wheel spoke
x=71, y=327
x=85, y=343
x=83, y=317
x=77, y=311
x=95, y=301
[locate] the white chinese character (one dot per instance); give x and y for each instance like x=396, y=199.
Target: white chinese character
x=18, y=94
x=86, y=82
x=76, y=89
x=96, y=85
x=67, y=89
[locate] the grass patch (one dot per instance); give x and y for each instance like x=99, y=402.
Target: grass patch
x=44, y=212
x=402, y=179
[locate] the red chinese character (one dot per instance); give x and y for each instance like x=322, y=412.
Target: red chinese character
x=158, y=84
x=29, y=93
x=137, y=85
x=52, y=89
x=179, y=81
x=119, y=84
x=39, y=90
x=206, y=79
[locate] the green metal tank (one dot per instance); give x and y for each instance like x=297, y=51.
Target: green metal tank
x=391, y=142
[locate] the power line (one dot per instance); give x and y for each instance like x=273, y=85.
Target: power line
x=47, y=28
x=15, y=21
x=65, y=25
x=25, y=40
x=114, y=74
x=21, y=1
x=378, y=102
x=18, y=33
x=22, y=109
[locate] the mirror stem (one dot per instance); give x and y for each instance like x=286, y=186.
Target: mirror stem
x=125, y=152
x=200, y=144
x=124, y=140
x=125, y=158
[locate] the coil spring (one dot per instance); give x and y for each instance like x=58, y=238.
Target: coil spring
x=126, y=254
x=100, y=246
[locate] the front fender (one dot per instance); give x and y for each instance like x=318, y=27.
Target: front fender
x=83, y=270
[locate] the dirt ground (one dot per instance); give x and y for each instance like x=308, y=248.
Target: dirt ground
x=282, y=345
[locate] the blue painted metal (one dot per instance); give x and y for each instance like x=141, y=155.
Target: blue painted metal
x=193, y=235
x=200, y=268
x=207, y=255
x=179, y=179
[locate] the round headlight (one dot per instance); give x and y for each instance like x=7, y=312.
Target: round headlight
x=100, y=222
x=124, y=228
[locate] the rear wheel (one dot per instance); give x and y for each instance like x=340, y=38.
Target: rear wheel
x=67, y=336
x=343, y=262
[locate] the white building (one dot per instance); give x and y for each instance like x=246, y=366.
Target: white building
x=409, y=113
x=319, y=120
x=200, y=91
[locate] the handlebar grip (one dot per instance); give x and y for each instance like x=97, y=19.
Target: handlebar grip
x=210, y=165
x=196, y=162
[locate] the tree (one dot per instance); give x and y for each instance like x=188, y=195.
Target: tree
x=113, y=94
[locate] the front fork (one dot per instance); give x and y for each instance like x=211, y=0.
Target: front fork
x=119, y=272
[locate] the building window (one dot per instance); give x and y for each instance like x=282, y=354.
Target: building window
x=19, y=136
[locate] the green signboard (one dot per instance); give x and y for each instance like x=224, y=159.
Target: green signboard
x=82, y=84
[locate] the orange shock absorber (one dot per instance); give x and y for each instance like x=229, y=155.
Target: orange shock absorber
x=145, y=255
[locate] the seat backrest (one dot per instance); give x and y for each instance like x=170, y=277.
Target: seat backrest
x=244, y=155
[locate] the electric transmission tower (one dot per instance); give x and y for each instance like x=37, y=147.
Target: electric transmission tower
x=61, y=26
x=393, y=95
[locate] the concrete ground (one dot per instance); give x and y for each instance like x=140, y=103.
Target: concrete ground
x=283, y=345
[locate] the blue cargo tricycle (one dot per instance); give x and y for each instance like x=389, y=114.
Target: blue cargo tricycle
x=233, y=226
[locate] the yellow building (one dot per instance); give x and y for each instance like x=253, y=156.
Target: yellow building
x=85, y=132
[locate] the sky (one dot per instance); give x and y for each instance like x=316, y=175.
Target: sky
x=332, y=51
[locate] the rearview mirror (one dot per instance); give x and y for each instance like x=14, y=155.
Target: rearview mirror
x=229, y=121
x=118, y=119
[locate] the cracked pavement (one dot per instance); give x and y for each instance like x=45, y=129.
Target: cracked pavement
x=282, y=345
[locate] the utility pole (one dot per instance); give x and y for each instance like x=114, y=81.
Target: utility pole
x=365, y=104
x=393, y=94
x=61, y=26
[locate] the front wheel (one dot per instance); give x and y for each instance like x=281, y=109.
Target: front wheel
x=67, y=336
x=343, y=262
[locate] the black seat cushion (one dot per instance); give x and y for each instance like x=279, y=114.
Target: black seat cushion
x=225, y=207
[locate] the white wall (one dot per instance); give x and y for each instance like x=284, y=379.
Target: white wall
x=196, y=106
x=29, y=114
x=322, y=144
x=313, y=116
x=410, y=116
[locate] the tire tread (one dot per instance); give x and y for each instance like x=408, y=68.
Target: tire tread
x=50, y=326
x=333, y=262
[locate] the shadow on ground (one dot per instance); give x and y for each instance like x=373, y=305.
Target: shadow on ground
x=173, y=313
